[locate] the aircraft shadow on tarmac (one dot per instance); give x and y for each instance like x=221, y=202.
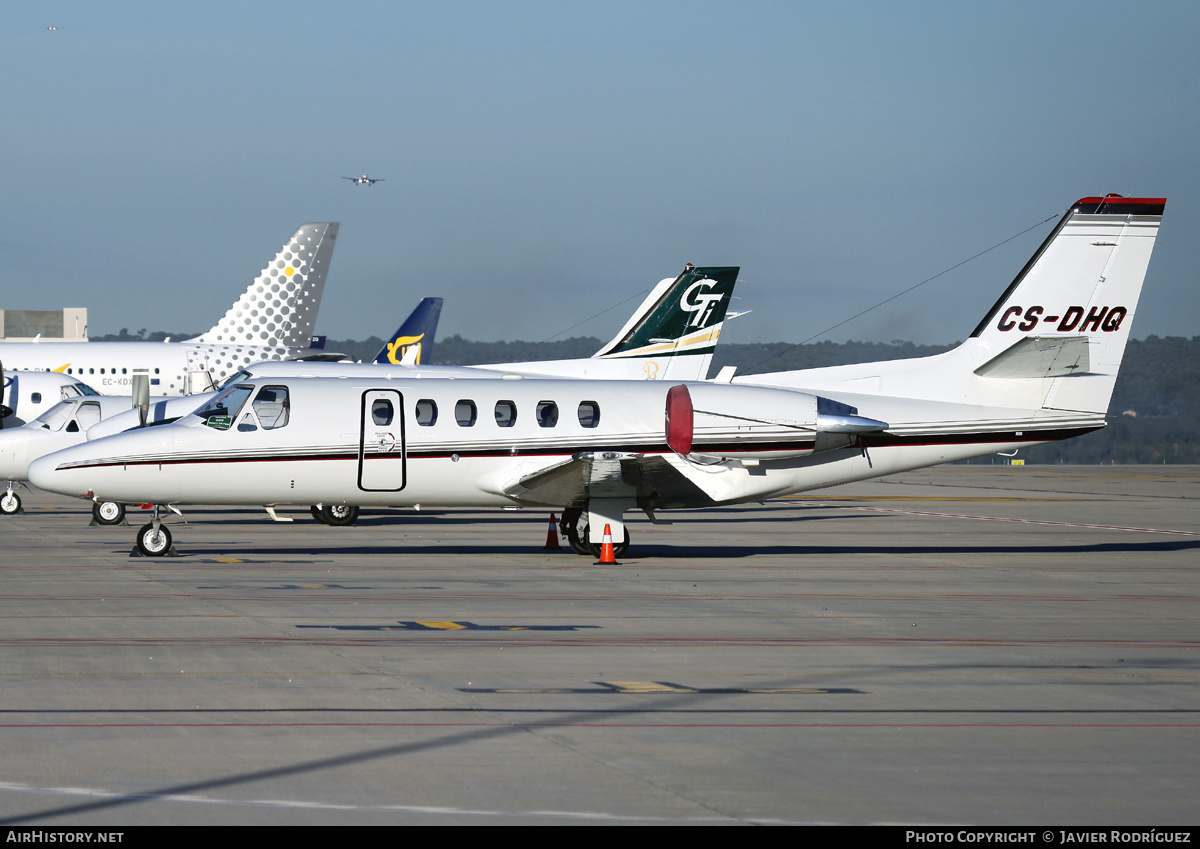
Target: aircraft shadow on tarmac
x=325, y=548
x=543, y=718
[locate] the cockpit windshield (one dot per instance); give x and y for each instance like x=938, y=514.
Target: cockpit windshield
x=56, y=416
x=74, y=390
x=237, y=378
x=220, y=412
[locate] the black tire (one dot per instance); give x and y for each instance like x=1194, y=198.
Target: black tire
x=577, y=545
x=108, y=513
x=151, y=543
x=620, y=549
x=316, y=514
x=339, y=514
x=10, y=503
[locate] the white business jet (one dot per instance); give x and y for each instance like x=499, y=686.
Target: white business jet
x=272, y=320
x=672, y=334
x=1039, y=367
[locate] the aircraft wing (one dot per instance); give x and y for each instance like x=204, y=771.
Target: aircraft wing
x=607, y=475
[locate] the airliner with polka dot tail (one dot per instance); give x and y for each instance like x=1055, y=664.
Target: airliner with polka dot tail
x=273, y=320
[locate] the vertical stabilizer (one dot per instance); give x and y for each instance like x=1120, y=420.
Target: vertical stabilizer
x=679, y=323
x=1065, y=319
x=280, y=307
x=412, y=342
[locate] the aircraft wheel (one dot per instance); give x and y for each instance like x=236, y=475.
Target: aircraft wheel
x=339, y=514
x=577, y=545
x=619, y=548
x=152, y=543
x=10, y=503
x=108, y=513
x=316, y=514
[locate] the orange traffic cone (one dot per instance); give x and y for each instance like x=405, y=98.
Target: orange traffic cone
x=552, y=536
x=607, y=556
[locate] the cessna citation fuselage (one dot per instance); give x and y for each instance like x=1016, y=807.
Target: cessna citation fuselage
x=485, y=442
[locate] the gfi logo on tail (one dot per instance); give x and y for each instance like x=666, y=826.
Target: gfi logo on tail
x=700, y=302
x=1098, y=319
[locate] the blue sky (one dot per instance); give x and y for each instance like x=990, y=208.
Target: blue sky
x=545, y=161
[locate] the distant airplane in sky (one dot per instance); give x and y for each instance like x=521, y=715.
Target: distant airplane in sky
x=364, y=180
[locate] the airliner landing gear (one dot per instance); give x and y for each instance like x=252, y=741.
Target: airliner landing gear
x=10, y=502
x=108, y=513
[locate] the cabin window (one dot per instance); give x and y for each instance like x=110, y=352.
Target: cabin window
x=589, y=414
x=547, y=414
x=465, y=413
x=426, y=412
x=35, y=398
x=382, y=411
x=506, y=414
x=273, y=408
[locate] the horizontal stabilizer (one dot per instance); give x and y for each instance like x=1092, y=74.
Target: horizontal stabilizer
x=1040, y=356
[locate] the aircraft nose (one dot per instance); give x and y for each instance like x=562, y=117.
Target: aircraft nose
x=45, y=474
x=14, y=458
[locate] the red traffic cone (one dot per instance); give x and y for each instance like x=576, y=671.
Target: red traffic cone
x=607, y=556
x=552, y=536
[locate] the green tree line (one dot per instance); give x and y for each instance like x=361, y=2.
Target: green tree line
x=1153, y=417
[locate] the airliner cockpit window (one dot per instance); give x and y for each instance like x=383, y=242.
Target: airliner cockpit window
x=272, y=407
x=220, y=412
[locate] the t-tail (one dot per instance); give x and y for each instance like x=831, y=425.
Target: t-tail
x=279, y=309
x=1064, y=321
x=1055, y=338
x=677, y=327
x=412, y=342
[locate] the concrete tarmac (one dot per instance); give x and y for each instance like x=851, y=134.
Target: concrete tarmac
x=972, y=644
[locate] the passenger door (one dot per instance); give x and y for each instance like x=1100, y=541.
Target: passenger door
x=381, y=453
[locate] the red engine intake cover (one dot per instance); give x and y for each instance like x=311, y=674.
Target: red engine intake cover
x=679, y=419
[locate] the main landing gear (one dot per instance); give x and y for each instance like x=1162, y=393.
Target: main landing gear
x=108, y=513
x=574, y=523
x=335, y=514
